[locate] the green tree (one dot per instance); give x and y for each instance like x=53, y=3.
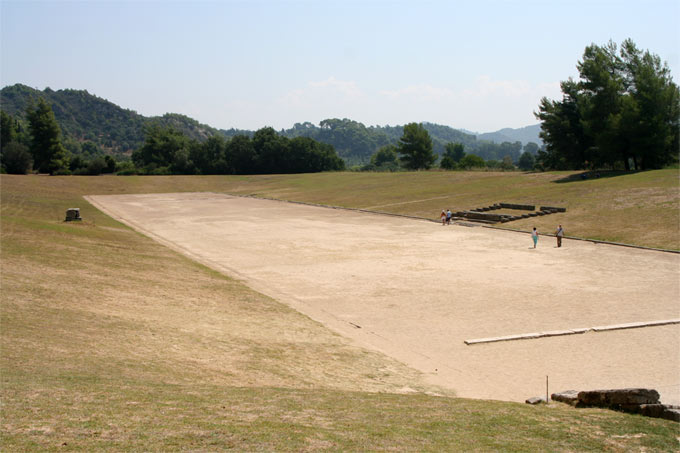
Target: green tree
x=77, y=163
x=649, y=125
x=507, y=164
x=271, y=151
x=49, y=155
x=306, y=155
x=15, y=158
x=624, y=109
x=96, y=166
x=210, y=157
x=531, y=148
x=385, y=156
x=110, y=164
x=160, y=149
x=90, y=148
x=562, y=131
x=415, y=147
x=471, y=161
x=126, y=168
x=453, y=153
x=8, y=132
x=526, y=161
x=241, y=153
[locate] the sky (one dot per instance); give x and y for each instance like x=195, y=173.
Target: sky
x=474, y=65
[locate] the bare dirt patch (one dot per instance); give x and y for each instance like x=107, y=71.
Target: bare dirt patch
x=416, y=290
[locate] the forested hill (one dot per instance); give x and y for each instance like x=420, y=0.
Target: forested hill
x=524, y=135
x=88, y=120
x=84, y=117
x=355, y=142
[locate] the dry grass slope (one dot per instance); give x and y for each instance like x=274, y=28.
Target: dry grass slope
x=113, y=342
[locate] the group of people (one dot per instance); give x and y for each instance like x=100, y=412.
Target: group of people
x=446, y=217
x=559, y=234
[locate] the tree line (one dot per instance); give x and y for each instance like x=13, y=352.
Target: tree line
x=93, y=126
x=166, y=150
x=169, y=151
x=415, y=151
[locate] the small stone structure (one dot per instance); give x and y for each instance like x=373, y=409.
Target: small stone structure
x=481, y=215
x=72, y=214
x=631, y=400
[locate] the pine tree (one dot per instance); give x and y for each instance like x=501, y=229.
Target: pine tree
x=415, y=147
x=49, y=155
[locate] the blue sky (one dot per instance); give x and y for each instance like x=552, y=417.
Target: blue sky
x=480, y=65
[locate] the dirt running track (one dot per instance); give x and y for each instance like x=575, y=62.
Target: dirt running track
x=415, y=290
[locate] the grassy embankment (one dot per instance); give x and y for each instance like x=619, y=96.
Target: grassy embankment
x=113, y=342
x=639, y=208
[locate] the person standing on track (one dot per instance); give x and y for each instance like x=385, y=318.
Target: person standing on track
x=448, y=216
x=559, y=233
x=443, y=217
x=534, y=236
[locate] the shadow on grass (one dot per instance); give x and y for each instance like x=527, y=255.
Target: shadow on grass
x=595, y=174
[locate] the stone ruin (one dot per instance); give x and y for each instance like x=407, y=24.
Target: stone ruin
x=72, y=214
x=632, y=400
x=482, y=215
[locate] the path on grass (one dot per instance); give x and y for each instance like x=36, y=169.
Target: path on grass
x=415, y=290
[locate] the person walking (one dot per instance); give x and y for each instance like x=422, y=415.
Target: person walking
x=534, y=236
x=559, y=233
x=443, y=217
x=448, y=216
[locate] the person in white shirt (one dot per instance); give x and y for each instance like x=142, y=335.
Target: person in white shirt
x=534, y=236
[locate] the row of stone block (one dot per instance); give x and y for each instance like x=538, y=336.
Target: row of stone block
x=521, y=207
x=482, y=215
x=633, y=400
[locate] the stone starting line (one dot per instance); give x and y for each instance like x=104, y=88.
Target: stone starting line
x=558, y=333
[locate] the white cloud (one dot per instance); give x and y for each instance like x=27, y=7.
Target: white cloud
x=330, y=89
x=421, y=93
x=485, y=87
x=346, y=88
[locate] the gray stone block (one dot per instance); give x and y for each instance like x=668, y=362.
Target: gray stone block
x=618, y=398
x=568, y=396
x=671, y=414
x=72, y=214
x=553, y=207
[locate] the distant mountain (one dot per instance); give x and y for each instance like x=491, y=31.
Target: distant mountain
x=525, y=135
x=355, y=142
x=84, y=117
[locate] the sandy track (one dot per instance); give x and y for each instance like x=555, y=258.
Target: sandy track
x=416, y=290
